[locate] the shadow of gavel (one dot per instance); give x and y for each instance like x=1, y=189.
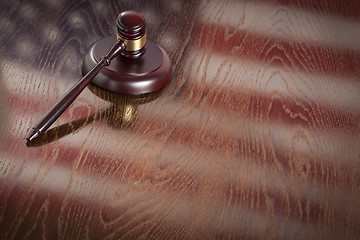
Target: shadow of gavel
x=119, y=115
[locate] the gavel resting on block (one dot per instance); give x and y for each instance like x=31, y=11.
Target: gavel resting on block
x=142, y=67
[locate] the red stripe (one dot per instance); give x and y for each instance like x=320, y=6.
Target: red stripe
x=266, y=50
x=349, y=9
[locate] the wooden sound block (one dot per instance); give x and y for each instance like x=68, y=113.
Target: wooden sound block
x=145, y=74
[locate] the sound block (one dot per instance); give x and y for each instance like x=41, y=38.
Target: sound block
x=145, y=74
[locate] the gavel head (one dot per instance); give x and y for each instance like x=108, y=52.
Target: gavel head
x=131, y=30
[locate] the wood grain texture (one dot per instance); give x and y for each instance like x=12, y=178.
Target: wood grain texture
x=257, y=136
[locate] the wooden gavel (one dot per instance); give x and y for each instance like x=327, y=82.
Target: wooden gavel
x=130, y=44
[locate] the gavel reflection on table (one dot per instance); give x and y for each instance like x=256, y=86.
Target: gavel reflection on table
x=142, y=67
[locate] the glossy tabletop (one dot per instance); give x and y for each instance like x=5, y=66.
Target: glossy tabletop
x=257, y=136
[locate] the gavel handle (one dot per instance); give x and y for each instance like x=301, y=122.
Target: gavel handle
x=55, y=112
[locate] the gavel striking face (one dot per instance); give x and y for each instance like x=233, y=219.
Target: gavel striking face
x=131, y=30
x=143, y=67
x=131, y=36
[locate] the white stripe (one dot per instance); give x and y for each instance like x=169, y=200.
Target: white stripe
x=217, y=70
x=278, y=21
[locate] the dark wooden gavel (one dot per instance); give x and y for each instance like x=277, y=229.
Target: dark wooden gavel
x=131, y=44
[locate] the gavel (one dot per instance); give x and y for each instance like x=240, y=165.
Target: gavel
x=152, y=67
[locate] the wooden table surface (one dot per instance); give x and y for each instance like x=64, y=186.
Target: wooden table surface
x=257, y=136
